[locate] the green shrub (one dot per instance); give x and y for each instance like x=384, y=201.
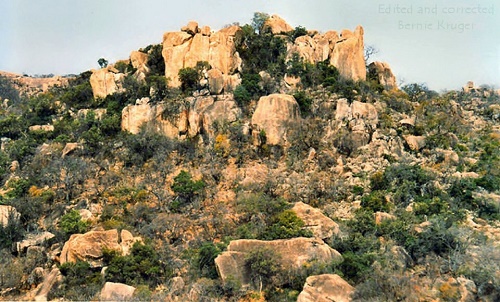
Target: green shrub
x=297, y=32
x=71, y=223
x=81, y=282
x=7, y=90
x=242, y=96
x=304, y=101
x=285, y=225
x=264, y=267
x=186, y=189
x=204, y=262
x=142, y=266
x=376, y=201
x=156, y=63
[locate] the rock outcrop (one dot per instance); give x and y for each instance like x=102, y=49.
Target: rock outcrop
x=292, y=254
x=383, y=73
x=275, y=114
x=348, y=54
x=139, y=61
x=106, y=81
x=50, y=281
x=33, y=240
x=345, y=52
x=326, y=288
x=314, y=220
x=34, y=85
x=415, y=143
x=185, y=48
x=42, y=128
x=116, y=292
x=276, y=25
x=215, y=81
x=198, y=118
x=355, y=124
x=88, y=247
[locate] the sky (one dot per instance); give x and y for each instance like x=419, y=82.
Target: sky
x=442, y=43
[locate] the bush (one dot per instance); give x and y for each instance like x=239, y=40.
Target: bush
x=242, y=96
x=304, y=101
x=186, y=189
x=264, y=267
x=204, y=262
x=142, y=266
x=189, y=78
x=71, y=223
x=81, y=282
x=7, y=90
x=375, y=201
x=297, y=32
x=285, y=225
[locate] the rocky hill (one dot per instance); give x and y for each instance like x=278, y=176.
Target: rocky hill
x=254, y=163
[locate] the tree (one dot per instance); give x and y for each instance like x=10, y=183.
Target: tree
x=103, y=63
x=258, y=21
x=186, y=189
x=370, y=50
x=264, y=267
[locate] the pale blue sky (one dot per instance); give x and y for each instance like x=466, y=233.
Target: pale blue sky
x=69, y=36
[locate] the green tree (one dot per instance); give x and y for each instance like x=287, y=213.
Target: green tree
x=264, y=267
x=142, y=266
x=286, y=225
x=72, y=223
x=186, y=188
x=258, y=21
x=103, y=63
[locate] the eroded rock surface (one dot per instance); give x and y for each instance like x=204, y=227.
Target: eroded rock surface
x=116, y=292
x=383, y=73
x=275, y=114
x=185, y=48
x=320, y=225
x=88, y=247
x=326, y=288
x=292, y=254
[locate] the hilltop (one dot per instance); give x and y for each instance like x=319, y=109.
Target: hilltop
x=254, y=163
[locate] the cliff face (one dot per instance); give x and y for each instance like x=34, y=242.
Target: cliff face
x=344, y=51
x=193, y=44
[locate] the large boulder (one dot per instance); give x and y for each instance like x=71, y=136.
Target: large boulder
x=383, y=74
x=106, y=81
x=348, y=55
x=415, y=143
x=215, y=81
x=185, y=48
x=326, y=288
x=116, y=292
x=275, y=114
x=7, y=212
x=144, y=114
x=314, y=220
x=276, y=25
x=88, y=247
x=292, y=255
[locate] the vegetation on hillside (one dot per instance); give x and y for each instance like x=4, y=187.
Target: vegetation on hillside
x=189, y=198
